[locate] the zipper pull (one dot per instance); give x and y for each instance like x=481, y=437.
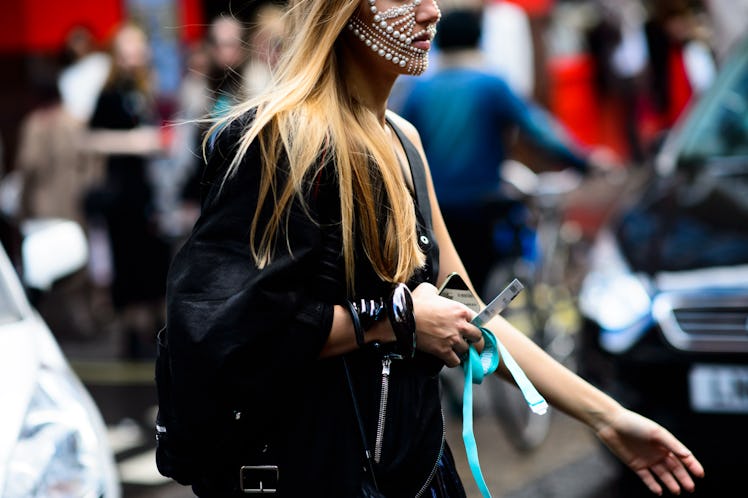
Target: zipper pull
x=386, y=362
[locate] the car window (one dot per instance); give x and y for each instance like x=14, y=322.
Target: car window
x=719, y=126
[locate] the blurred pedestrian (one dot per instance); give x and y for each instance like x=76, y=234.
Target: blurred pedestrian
x=194, y=101
x=506, y=24
x=465, y=114
x=266, y=35
x=681, y=62
x=227, y=48
x=50, y=176
x=227, y=56
x=618, y=45
x=292, y=339
x=85, y=72
x=124, y=129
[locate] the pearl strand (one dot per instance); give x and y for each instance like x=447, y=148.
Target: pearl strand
x=392, y=41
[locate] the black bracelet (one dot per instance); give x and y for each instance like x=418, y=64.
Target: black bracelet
x=369, y=311
x=357, y=328
x=403, y=320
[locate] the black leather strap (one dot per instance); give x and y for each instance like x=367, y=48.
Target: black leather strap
x=417, y=171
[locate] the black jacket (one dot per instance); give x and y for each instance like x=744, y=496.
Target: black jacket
x=248, y=386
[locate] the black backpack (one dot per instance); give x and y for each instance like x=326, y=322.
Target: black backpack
x=175, y=453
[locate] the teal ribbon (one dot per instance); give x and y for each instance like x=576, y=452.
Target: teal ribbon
x=476, y=367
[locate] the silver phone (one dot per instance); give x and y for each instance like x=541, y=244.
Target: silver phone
x=455, y=288
x=499, y=303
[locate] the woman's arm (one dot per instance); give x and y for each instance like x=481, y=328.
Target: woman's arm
x=143, y=140
x=646, y=447
x=342, y=338
x=442, y=326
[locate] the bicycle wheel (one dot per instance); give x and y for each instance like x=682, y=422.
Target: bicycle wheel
x=525, y=430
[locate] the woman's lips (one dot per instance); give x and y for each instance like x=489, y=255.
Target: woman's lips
x=423, y=44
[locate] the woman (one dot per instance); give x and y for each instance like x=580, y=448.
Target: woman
x=124, y=129
x=316, y=197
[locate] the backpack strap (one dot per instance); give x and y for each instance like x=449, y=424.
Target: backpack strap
x=417, y=171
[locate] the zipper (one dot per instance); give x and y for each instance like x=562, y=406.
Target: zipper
x=426, y=484
x=386, y=364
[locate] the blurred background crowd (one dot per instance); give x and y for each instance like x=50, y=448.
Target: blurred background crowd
x=102, y=106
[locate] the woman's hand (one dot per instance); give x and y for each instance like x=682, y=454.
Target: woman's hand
x=651, y=451
x=443, y=326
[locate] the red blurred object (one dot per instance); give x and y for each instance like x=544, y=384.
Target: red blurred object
x=192, y=19
x=572, y=96
x=534, y=8
x=592, y=121
x=41, y=25
x=575, y=102
x=680, y=88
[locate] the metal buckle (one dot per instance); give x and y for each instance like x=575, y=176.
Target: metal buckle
x=258, y=479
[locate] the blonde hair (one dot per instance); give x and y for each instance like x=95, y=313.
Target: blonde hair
x=308, y=109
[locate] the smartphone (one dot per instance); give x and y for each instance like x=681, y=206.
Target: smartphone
x=455, y=288
x=499, y=303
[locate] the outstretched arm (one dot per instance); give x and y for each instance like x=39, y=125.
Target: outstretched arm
x=642, y=444
x=656, y=456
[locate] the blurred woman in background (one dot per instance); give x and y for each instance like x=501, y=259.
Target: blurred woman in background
x=124, y=129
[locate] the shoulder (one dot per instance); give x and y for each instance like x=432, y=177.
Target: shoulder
x=224, y=135
x=411, y=133
x=407, y=128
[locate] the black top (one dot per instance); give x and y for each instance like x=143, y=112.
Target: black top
x=125, y=200
x=249, y=386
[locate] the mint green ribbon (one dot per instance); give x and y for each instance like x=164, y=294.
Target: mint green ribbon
x=476, y=367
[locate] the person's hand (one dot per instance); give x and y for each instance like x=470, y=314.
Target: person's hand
x=652, y=452
x=443, y=326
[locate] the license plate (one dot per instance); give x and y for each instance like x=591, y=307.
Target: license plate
x=718, y=388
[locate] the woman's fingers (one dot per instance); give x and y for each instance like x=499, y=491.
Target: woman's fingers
x=679, y=471
x=681, y=457
x=666, y=477
x=471, y=333
x=692, y=465
x=671, y=472
x=648, y=479
x=452, y=360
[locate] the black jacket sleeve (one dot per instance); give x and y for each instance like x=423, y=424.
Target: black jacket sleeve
x=238, y=333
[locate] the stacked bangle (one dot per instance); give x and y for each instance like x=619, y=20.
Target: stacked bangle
x=357, y=328
x=369, y=311
x=399, y=310
x=403, y=320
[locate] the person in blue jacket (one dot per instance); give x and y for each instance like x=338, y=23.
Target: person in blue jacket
x=464, y=113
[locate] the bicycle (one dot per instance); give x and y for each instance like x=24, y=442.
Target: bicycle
x=546, y=311
x=541, y=253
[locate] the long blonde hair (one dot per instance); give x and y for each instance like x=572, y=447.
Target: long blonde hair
x=307, y=109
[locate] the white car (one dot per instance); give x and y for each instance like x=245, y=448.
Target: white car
x=53, y=441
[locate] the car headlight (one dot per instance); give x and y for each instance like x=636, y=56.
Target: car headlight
x=615, y=298
x=61, y=450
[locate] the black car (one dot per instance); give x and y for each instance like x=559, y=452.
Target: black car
x=665, y=300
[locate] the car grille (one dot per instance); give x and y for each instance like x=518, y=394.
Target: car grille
x=704, y=321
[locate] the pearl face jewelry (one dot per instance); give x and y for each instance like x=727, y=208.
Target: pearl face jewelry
x=390, y=35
